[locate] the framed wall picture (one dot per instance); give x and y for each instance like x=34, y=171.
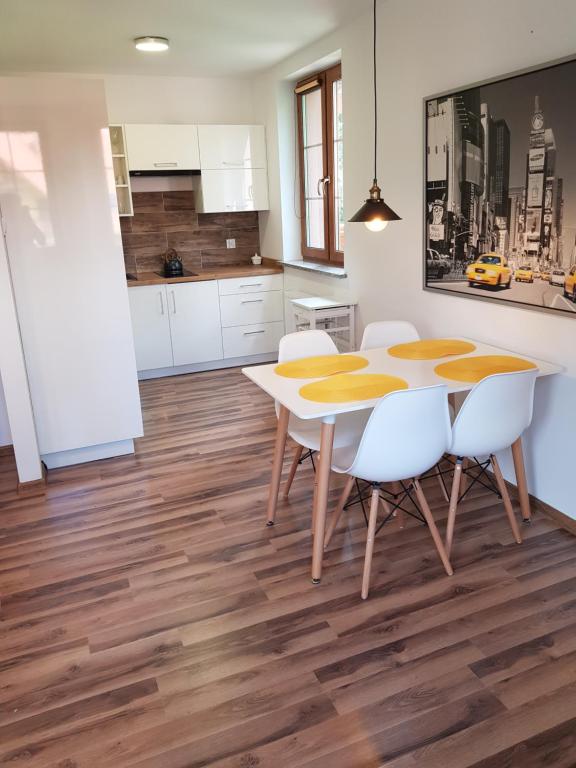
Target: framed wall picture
x=500, y=190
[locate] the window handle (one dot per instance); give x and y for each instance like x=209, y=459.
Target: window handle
x=322, y=186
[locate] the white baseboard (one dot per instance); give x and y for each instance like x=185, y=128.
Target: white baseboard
x=90, y=453
x=213, y=365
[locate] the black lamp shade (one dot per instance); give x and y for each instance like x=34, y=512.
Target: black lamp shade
x=375, y=210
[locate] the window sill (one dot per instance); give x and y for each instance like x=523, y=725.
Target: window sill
x=322, y=269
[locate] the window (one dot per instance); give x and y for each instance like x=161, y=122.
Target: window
x=320, y=150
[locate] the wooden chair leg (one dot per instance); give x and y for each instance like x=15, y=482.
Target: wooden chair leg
x=506, y=499
x=370, y=541
x=295, y=461
x=455, y=493
x=433, y=530
x=339, y=509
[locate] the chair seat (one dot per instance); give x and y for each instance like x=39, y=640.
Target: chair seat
x=349, y=429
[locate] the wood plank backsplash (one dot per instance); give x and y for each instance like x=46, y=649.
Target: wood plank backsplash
x=164, y=220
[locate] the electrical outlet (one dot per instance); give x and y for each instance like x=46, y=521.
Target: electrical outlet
x=230, y=243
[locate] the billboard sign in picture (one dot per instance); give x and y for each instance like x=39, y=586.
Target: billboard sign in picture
x=500, y=189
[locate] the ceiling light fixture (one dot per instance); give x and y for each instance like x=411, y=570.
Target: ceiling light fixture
x=375, y=214
x=152, y=43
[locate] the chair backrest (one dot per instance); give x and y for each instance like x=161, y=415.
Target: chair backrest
x=386, y=333
x=305, y=344
x=407, y=433
x=495, y=413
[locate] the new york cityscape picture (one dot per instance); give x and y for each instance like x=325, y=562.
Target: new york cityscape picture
x=501, y=189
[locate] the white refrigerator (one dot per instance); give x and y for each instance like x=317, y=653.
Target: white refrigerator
x=62, y=231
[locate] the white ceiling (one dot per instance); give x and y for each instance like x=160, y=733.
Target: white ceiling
x=209, y=38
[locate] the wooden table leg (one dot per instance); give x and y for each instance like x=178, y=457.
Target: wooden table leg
x=279, y=448
x=321, y=497
x=521, y=483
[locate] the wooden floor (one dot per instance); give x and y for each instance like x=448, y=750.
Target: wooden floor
x=150, y=619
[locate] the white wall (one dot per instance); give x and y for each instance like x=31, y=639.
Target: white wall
x=5, y=436
x=14, y=389
x=139, y=99
x=142, y=99
x=426, y=48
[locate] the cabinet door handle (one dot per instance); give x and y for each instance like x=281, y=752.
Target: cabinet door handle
x=161, y=303
x=173, y=302
x=252, y=301
x=250, y=285
x=165, y=165
x=252, y=333
x=236, y=165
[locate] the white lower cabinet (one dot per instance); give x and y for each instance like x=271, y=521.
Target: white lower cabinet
x=245, y=340
x=181, y=324
x=195, y=322
x=151, y=327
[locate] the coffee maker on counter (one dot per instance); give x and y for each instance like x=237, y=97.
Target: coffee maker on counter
x=173, y=264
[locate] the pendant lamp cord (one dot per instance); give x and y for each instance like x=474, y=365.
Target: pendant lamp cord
x=375, y=99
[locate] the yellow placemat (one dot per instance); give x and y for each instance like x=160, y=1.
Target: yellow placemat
x=473, y=369
x=431, y=349
x=323, y=365
x=348, y=387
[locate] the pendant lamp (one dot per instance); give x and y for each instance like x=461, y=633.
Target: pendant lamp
x=375, y=214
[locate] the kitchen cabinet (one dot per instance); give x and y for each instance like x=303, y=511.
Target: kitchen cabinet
x=120, y=169
x=175, y=324
x=225, y=147
x=190, y=325
x=259, y=339
x=233, y=190
x=162, y=147
x=250, y=308
x=194, y=322
x=151, y=327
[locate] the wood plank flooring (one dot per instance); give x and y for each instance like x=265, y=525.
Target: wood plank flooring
x=150, y=619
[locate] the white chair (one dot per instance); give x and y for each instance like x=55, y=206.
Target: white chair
x=406, y=435
x=493, y=416
x=306, y=433
x=387, y=333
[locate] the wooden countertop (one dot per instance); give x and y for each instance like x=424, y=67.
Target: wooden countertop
x=268, y=267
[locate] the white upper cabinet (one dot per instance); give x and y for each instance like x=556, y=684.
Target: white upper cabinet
x=225, y=147
x=162, y=147
x=233, y=190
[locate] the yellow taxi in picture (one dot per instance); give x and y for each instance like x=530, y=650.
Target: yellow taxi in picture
x=489, y=269
x=570, y=284
x=545, y=275
x=524, y=274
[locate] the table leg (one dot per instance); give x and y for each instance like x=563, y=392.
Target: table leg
x=321, y=497
x=521, y=483
x=279, y=448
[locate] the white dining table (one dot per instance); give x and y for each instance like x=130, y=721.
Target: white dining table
x=417, y=373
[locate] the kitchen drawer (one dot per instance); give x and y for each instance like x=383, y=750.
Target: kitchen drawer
x=252, y=339
x=255, y=283
x=251, y=308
